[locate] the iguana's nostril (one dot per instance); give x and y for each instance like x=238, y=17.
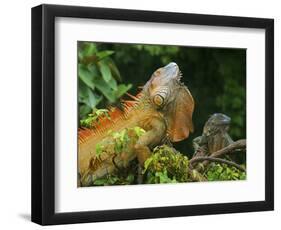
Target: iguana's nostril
x=172, y=64
x=158, y=72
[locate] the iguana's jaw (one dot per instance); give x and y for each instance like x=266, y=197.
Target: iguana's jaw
x=170, y=71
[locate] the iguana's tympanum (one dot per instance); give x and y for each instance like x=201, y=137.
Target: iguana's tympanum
x=163, y=109
x=214, y=136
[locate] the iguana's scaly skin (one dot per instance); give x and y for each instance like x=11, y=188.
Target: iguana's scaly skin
x=214, y=136
x=163, y=109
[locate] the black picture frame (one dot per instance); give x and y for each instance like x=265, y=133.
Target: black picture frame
x=43, y=110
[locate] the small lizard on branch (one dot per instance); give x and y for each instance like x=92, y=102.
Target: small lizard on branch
x=240, y=144
x=216, y=142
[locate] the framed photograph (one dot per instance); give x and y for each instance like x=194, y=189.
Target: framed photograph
x=143, y=114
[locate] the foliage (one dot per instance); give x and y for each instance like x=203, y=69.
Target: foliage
x=116, y=180
x=98, y=79
x=233, y=98
x=119, y=142
x=166, y=165
x=94, y=117
x=219, y=172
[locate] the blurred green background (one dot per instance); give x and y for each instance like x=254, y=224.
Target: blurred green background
x=216, y=78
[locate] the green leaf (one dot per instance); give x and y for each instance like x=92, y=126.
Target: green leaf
x=112, y=179
x=93, y=68
x=139, y=131
x=80, y=55
x=242, y=176
x=114, y=70
x=101, y=112
x=112, y=84
x=147, y=163
x=123, y=135
x=86, y=76
x=83, y=90
x=105, y=71
x=122, y=89
x=118, y=146
x=99, y=149
x=89, y=98
x=84, y=110
x=130, y=178
x=101, y=85
x=89, y=49
x=93, y=100
x=105, y=53
x=163, y=177
x=100, y=181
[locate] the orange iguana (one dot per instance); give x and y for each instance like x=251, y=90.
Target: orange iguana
x=163, y=109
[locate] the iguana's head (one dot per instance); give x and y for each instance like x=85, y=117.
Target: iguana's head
x=170, y=96
x=162, y=83
x=218, y=122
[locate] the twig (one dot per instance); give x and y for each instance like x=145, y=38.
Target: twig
x=196, y=159
x=240, y=144
x=195, y=175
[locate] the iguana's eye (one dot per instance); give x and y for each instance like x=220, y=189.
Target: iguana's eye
x=158, y=100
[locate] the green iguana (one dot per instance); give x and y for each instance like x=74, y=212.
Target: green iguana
x=163, y=109
x=214, y=136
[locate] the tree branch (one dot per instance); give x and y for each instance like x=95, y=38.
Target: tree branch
x=196, y=159
x=240, y=144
